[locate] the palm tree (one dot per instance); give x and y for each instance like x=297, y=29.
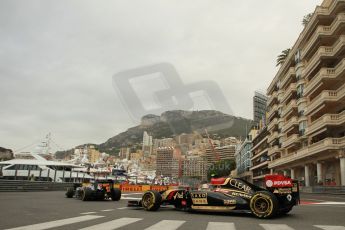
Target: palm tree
x=281, y=57
x=306, y=19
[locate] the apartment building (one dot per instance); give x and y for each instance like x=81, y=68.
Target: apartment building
x=195, y=166
x=224, y=153
x=169, y=162
x=243, y=157
x=260, y=159
x=306, y=105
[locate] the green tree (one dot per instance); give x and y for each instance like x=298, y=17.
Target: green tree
x=282, y=57
x=221, y=168
x=306, y=19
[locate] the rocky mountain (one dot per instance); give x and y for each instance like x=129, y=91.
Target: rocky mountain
x=171, y=123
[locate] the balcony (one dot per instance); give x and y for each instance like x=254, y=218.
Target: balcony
x=323, y=31
x=272, y=124
x=259, y=154
x=290, y=73
x=293, y=139
x=324, y=51
x=273, y=136
x=273, y=150
x=326, y=120
x=288, y=92
x=293, y=121
x=289, y=108
x=325, y=96
x=318, y=147
x=272, y=111
x=261, y=165
x=271, y=98
x=323, y=75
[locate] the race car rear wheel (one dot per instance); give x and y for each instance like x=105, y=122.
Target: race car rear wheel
x=264, y=204
x=69, y=192
x=86, y=194
x=116, y=194
x=151, y=200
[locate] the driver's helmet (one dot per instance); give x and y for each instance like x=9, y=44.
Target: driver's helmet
x=205, y=186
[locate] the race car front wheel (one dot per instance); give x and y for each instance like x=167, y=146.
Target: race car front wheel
x=151, y=200
x=264, y=204
x=86, y=194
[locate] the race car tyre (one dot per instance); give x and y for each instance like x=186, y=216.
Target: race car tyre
x=86, y=194
x=264, y=204
x=100, y=195
x=115, y=194
x=151, y=200
x=70, y=192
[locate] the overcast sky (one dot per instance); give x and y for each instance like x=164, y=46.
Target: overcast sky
x=57, y=59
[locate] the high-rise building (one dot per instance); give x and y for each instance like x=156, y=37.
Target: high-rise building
x=259, y=107
x=195, y=167
x=306, y=115
x=147, y=144
x=224, y=153
x=243, y=157
x=169, y=162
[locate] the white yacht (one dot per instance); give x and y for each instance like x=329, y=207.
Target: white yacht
x=36, y=166
x=41, y=169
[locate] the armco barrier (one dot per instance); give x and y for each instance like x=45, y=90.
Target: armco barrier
x=26, y=186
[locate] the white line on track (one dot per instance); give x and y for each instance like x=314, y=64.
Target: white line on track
x=123, y=208
x=328, y=227
x=57, y=223
x=130, y=198
x=87, y=213
x=220, y=225
x=335, y=203
x=114, y=224
x=166, y=225
x=276, y=227
x=107, y=210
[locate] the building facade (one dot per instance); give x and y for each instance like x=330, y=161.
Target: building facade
x=259, y=107
x=224, y=153
x=260, y=157
x=195, y=167
x=169, y=162
x=306, y=106
x=243, y=157
x=147, y=144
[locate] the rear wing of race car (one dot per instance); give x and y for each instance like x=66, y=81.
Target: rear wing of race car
x=282, y=185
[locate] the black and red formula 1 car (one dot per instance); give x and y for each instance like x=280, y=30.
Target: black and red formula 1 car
x=230, y=195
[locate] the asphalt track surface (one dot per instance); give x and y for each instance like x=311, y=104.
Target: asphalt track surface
x=51, y=210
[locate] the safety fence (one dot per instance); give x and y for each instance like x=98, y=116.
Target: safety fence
x=26, y=186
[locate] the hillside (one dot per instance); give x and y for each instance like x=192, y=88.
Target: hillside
x=176, y=122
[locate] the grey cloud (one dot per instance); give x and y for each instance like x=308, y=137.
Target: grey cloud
x=57, y=58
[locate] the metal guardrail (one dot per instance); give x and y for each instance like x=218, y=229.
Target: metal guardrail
x=324, y=189
x=25, y=185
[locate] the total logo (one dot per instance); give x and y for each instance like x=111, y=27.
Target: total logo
x=278, y=183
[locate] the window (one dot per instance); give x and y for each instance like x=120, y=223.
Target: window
x=301, y=127
x=298, y=57
x=300, y=89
